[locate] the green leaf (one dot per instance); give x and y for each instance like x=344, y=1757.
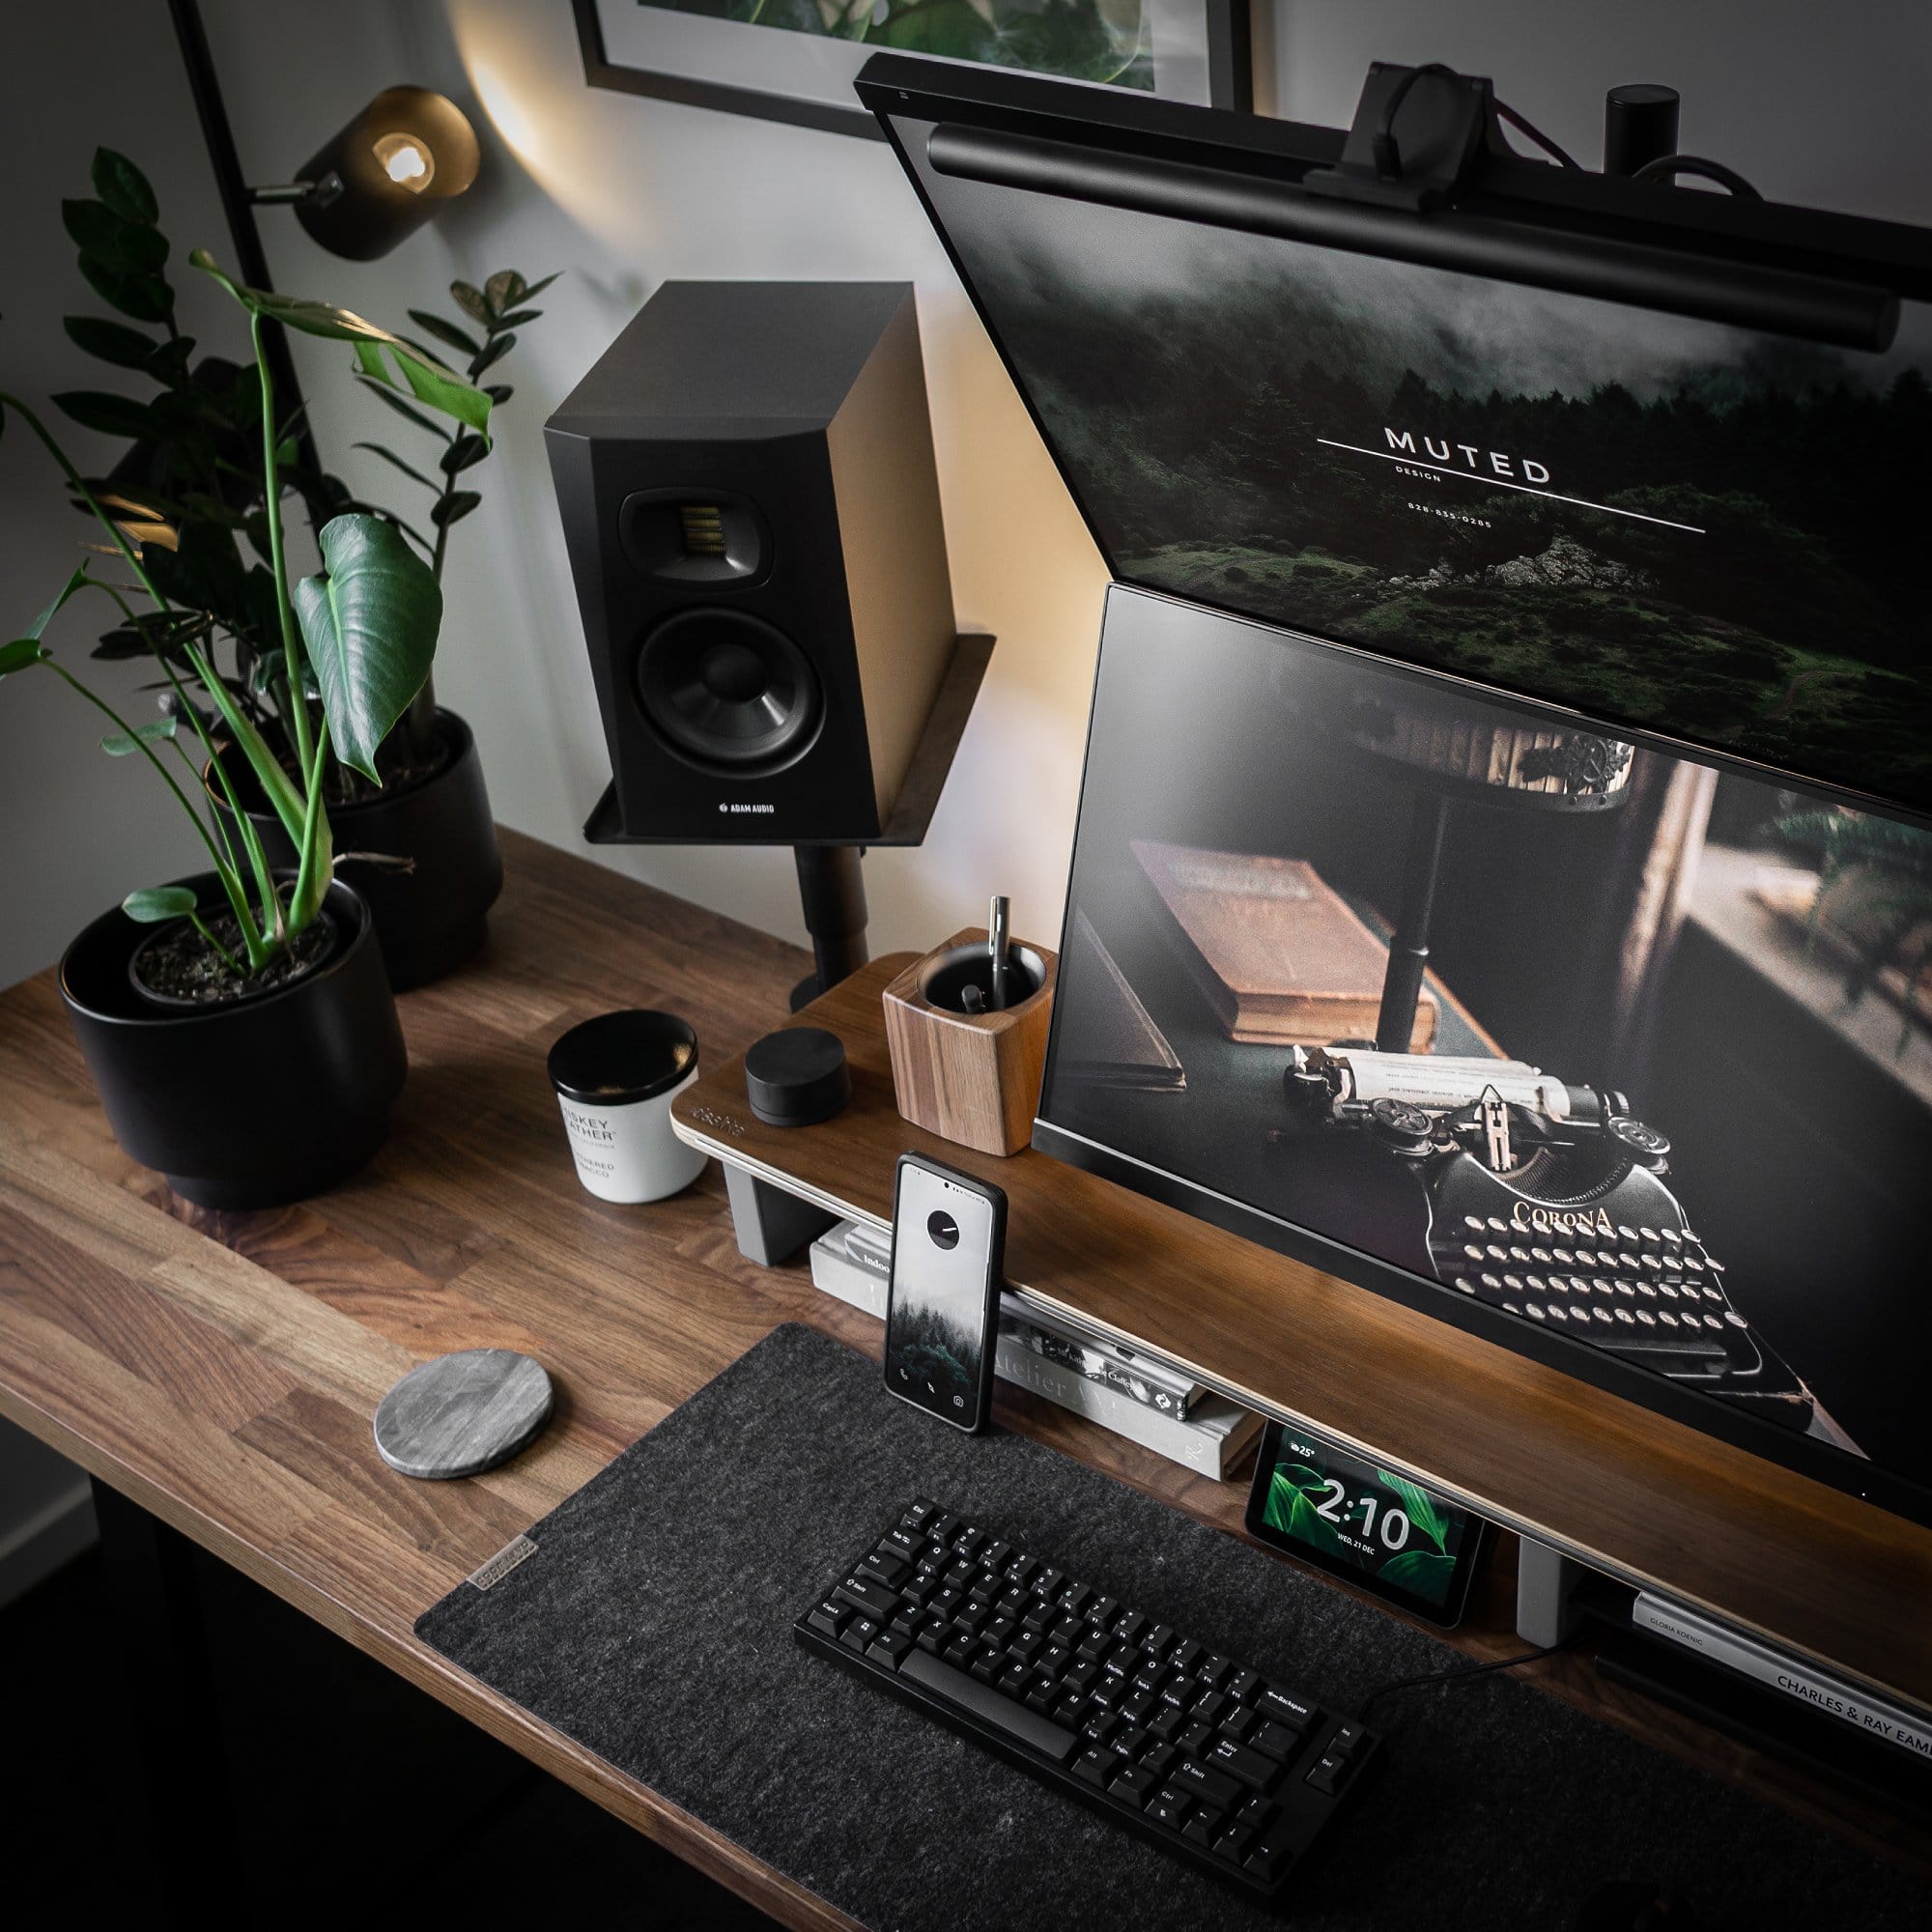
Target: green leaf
x=1419, y=1505
x=375, y=347
x=453, y=508
x=390, y=456
x=517, y=321
x=1307, y=1526
x=502, y=289
x=446, y=332
x=118, y=744
x=1426, y=1571
x=19, y=654
x=112, y=415
x=469, y=300
x=535, y=289
x=144, y=298
x=461, y=454
x=403, y=408
x=96, y=230
x=73, y=587
x=123, y=187
x=110, y=341
x=500, y=346
x=370, y=624
x=499, y=393
x=153, y=904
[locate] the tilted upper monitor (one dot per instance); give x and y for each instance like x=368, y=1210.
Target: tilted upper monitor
x=1619, y=448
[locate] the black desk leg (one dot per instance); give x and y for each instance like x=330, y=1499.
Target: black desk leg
x=176, y=1720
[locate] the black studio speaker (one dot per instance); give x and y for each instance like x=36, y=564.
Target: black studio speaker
x=749, y=499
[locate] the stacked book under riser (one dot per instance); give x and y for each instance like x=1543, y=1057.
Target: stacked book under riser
x=1146, y=1401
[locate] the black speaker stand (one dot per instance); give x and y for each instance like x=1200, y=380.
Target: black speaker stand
x=832, y=890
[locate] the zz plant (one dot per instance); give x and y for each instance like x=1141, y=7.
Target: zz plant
x=365, y=628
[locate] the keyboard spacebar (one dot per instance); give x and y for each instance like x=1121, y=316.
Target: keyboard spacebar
x=990, y=1706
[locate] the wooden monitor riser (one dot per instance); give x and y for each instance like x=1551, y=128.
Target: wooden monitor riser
x=1638, y=1496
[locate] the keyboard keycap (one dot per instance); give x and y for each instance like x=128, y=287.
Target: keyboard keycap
x=1213, y=1787
x=1283, y=1707
x=868, y=1594
x=1251, y=1767
x=988, y=1707
x=1095, y=1766
x=1330, y=1773
x=889, y=1567
x=1275, y=1741
x=1136, y=1784
x=1168, y=1807
x=890, y=1647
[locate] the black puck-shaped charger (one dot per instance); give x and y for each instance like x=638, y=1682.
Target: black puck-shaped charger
x=797, y=1077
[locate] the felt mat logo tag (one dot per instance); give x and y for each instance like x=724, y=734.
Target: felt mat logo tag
x=499, y=1566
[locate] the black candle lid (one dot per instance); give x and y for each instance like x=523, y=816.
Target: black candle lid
x=797, y=1077
x=623, y=1056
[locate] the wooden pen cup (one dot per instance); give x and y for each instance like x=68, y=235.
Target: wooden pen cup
x=971, y=1077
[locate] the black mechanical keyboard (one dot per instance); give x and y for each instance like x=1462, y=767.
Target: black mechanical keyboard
x=1207, y=1758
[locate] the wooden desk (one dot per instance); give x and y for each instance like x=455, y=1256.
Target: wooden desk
x=221, y=1370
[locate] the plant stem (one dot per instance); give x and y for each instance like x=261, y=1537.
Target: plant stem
x=230, y=884
x=228, y=958
x=273, y=508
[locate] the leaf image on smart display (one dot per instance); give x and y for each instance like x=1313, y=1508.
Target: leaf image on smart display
x=1290, y=1507
x=1426, y=1571
x=1419, y=1506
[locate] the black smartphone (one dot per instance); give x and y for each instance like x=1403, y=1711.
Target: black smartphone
x=943, y=1301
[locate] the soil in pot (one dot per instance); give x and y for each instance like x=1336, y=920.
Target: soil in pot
x=176, y=966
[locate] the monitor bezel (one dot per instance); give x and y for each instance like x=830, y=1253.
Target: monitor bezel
x=1850, y=1475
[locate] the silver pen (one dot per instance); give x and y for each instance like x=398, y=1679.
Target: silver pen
x=996, y=946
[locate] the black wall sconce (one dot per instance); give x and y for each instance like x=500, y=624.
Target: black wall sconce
x=377, y=181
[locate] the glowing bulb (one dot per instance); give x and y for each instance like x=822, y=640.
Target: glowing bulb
x=406, y=161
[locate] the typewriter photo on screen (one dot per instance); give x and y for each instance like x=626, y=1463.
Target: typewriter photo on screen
x=1579, y=1041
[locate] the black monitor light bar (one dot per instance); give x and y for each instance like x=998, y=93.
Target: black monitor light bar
x=1424, y=175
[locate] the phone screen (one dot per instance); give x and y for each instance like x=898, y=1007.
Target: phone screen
x=936, y=1325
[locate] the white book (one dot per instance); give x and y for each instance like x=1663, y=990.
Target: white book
x=1213, y=1437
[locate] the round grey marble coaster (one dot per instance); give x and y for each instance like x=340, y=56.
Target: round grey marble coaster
x=462, y=1414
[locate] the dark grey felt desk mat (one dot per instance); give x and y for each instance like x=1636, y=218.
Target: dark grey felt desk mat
x=654, y=1627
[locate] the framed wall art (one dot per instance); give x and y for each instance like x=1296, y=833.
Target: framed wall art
x=794, y=60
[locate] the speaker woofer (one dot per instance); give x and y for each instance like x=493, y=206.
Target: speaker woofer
x=727, y=691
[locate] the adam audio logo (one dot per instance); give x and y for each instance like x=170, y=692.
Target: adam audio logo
x=763, y=810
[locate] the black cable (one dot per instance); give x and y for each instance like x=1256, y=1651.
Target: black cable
x=1458, y=1673
x=1667, y=167
x=1507, y=113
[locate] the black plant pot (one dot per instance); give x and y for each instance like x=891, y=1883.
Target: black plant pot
x=431, y=919
x=251, y=1104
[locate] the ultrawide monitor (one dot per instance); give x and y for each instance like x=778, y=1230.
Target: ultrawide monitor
x=1658, y=1110
x=1691, y=526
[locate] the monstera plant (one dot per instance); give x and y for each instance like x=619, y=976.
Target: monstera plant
x=239, y=1024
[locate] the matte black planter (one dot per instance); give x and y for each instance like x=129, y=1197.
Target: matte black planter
x=433, y=919
x=249, y=1105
